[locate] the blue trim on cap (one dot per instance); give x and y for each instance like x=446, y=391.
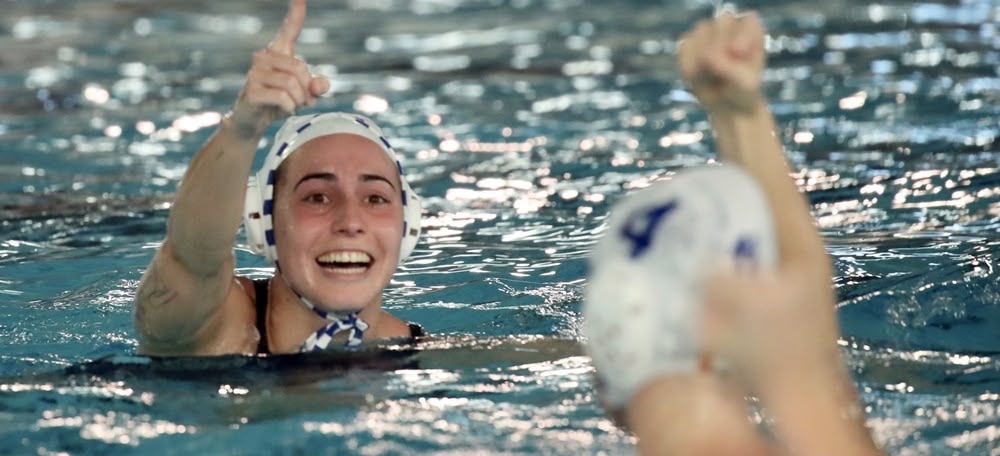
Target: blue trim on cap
x=399, y=166
x=404, y=197
x=303, y=127
x=269, y=235
x=404, y=228
x=268, y=207
x=270, y=177
x=281, y=150
x=362, y=122
x=385, y=141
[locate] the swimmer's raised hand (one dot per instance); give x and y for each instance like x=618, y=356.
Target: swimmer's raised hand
x=721, y=61
x=278, y=83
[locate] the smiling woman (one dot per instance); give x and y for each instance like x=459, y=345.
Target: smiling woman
x=330, y=200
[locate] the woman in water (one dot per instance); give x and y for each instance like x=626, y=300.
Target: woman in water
x=331, y=203
x=716, y=285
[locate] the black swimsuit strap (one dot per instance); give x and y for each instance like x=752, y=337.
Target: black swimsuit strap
x=260, y=287
x=416, y=331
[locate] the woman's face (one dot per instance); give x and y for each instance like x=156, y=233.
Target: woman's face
x=338, y=221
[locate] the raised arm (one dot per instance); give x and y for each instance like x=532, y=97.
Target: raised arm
x=659, y=331
x=722, y=62
x=190, y=287
x=779, y=331
x=780, y=344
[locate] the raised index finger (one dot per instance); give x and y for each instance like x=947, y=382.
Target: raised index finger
x=284, y=41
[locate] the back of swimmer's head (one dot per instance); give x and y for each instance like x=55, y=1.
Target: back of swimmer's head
x=293, y=134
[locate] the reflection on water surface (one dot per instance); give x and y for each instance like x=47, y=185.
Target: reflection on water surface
x=520, y=122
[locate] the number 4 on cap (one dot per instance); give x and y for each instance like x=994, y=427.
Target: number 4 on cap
x=641, y=225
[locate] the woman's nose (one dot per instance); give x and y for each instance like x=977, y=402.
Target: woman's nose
x=349, y=218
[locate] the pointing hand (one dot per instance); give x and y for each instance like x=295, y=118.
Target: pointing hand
x=278, y=83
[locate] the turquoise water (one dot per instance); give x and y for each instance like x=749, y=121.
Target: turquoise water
x=521, y=122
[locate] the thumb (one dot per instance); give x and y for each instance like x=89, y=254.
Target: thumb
x=319, y=86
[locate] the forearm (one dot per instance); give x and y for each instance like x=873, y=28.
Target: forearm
x=817, y=412
x=692, y=414
x=207, y=210
x=750, y=140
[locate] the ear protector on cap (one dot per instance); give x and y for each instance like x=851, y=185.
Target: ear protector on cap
x=259, y=204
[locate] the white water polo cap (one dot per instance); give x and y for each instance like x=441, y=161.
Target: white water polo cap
x=642, y=301
x=259, y=206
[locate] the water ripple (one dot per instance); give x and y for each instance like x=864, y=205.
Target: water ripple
x=521, y=122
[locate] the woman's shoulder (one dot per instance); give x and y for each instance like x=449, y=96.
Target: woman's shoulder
x=392, y=327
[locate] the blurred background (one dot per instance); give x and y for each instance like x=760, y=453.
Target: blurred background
x=520, y=122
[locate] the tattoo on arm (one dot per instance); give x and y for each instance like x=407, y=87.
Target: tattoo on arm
x=153, y=291
x=151, y=307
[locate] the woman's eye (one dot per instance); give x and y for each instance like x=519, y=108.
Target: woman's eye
x=317, y=198
x=377, y=199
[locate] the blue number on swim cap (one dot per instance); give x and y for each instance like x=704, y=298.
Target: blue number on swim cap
x=640, y=233
x=745, y=248
x=745, y=254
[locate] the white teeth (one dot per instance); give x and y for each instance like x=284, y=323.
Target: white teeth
x=345, y=257
x=343, y=270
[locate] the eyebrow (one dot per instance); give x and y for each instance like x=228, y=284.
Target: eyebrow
x=333, y=177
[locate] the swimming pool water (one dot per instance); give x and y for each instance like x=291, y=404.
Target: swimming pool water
x=520, y=122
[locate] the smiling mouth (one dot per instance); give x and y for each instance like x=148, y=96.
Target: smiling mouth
x=345, y=262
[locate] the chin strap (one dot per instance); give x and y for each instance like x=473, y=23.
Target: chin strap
x=338, y=324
